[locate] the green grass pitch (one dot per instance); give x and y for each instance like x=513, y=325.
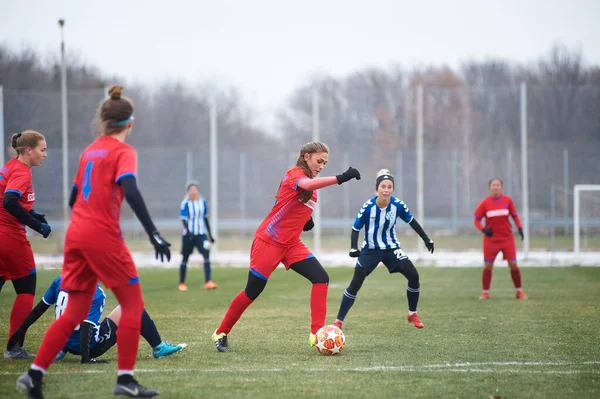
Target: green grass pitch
x=545, y=347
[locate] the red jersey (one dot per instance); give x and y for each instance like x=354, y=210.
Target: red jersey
x=496, y=212
x=97, y=209
x=284, y=223
x=15, y=177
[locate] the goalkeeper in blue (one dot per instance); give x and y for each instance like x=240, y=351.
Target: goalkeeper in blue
x=378, y=217
x=92, y=338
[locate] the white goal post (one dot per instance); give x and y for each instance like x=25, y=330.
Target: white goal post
x=577, y=189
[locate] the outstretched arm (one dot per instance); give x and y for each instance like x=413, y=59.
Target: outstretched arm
x=19, y=336
x=320, y=182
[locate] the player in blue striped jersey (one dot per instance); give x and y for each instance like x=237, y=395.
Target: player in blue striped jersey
x=196, y=234
x=378, y=217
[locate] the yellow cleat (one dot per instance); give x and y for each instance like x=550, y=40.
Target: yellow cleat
x=312, y=340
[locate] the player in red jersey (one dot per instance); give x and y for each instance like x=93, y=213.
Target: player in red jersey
x=16, y=257
x=277, y=240
x=95, y=250
x=498, y=236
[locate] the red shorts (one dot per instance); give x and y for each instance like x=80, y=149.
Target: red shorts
x=16, y=256
x=265, y=256
x=506, y=246
x=83, y=268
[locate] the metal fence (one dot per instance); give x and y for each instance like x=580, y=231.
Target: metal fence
x=470, y=135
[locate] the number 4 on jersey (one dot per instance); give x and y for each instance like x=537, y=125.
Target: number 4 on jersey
x=86, y=188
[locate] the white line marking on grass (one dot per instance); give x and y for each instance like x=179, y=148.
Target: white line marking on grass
x=466, y=367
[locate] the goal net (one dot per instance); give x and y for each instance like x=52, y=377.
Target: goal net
x=586, y=217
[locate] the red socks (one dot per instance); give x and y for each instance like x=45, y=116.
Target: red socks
x=21, y=308
x=486, y=279
x=128, y=338
x=235, y=311
x=318, y=306
x=516, y=277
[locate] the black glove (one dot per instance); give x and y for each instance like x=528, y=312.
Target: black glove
x=309, y=225
x=38, y=216
x=92, y=361
x=429, y=245
x=487, y=232
x=212, y=240
x=351, y=173
x=45, y=230
x=161, y=246
x=521, y=233
x=354, y=253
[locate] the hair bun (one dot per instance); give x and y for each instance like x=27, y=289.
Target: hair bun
x=115, y=92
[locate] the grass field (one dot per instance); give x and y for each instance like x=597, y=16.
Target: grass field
x=341, y=241
x=545, y=347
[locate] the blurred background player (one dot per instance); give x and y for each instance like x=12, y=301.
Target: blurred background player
x=92, y=338
x=498, y=236
x=95, y=249
x=378, y=217
x=196, y=233
x=16, y=257
x=277, y=240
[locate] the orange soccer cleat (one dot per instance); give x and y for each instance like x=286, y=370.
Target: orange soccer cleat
x=414, y=318
x=521, y=294
x=485, y=295
x=210, y=285
x=182, y=287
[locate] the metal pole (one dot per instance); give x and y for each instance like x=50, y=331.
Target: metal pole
x=316, y=136
x=214, y=196
x=2, y=149
x=420, y=211
x=524, y=172
x=508, y=177
x=466, y=150
x=243, y=190
x=552, y=215
x=566, y=189
x=346, y=190
x=65, y=127
x=576, y=220
x=398, y=181
x=454, y=183
x=188, y=166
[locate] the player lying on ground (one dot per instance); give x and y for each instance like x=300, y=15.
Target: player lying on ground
x=498, y=236
x=378, y=216
x=92, y=338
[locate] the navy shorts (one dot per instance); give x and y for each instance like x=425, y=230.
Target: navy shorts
x=394, y=259
x=106, y=339
x=197, y=241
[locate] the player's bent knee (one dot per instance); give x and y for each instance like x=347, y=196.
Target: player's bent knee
x=254, y=286
x=25, y=285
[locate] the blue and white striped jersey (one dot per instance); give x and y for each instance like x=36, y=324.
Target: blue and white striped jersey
x=194, y=212
x=379, y=223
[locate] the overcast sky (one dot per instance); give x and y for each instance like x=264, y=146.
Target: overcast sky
x=268, y=47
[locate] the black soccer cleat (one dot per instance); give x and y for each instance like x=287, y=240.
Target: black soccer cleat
x=26, y=384
x=133, y=389
x=220, y=341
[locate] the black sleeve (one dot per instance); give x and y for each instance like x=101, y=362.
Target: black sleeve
x=73, y=197
x=208, y=229
x=136, y=202
x=11, y=204
x=31, y=318
x=354, y=239
x=418, y=229
x=85, y=335
x=185, y=225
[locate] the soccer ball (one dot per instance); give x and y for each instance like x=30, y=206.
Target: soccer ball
x=330, y=341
